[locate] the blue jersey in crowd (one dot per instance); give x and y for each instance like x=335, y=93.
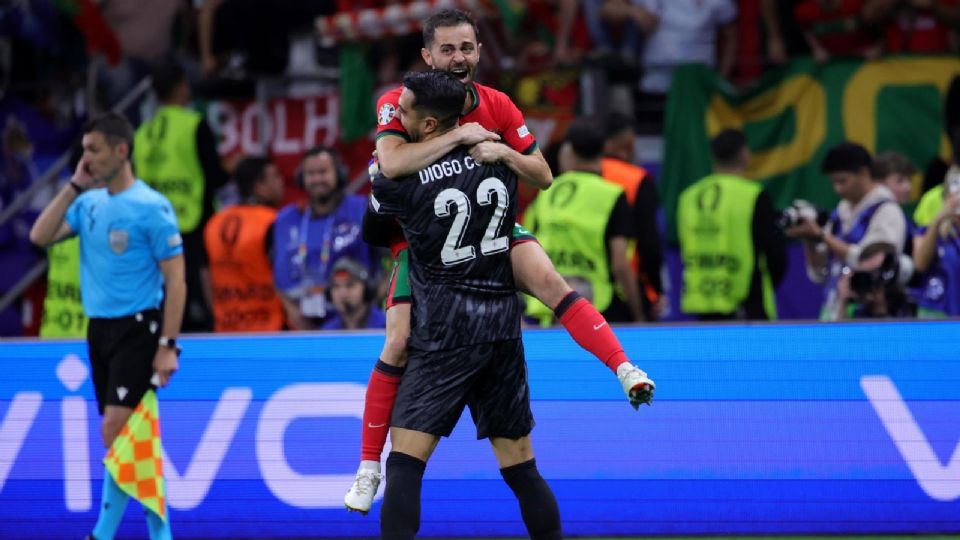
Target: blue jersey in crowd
x=306, y=247
x=376, y=319
x=123, y=237
x=940, y=294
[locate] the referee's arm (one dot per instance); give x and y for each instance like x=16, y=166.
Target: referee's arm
x=175, y=297
x=50, y=227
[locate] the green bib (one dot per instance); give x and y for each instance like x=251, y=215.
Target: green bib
x=570, y=221
x=165, y=157
x=715, y=228
x=63, y=314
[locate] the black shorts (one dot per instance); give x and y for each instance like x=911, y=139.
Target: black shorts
x=121, y=357
x=490, y=378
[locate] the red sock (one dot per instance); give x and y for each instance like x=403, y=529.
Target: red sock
x=590, y=330
x=377, y=408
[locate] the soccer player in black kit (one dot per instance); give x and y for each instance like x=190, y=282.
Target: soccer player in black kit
x=464, y=347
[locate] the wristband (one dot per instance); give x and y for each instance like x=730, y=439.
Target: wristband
x=76, y=187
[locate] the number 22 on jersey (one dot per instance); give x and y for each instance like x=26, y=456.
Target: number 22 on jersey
x=452, y=252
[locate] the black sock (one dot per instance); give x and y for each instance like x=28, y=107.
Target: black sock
x=565, y=304
x=538, y=506
x=400, y=512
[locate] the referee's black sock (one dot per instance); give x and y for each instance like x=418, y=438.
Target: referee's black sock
x=538, y=506
x=400, y=512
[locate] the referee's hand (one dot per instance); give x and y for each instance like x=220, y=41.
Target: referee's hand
x=165, y=362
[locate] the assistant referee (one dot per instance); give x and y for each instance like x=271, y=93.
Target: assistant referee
x=131, y=262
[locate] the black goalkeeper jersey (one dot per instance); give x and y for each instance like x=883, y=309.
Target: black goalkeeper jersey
x=457, y=216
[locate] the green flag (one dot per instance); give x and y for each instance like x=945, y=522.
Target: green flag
x=794, y=115
x=357, y=115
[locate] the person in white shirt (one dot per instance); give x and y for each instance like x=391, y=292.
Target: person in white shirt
x=868, y=213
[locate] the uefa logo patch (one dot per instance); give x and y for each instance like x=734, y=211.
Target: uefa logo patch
x=386, y=114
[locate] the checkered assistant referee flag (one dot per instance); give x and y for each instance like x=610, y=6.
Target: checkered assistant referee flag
x=135, y=460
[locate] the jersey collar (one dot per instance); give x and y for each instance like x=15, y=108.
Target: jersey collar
x=476, y=99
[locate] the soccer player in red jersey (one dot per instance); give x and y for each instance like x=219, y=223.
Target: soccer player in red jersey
x=489, y=119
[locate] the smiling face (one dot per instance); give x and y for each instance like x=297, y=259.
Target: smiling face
x=454, y=49
x=320, y=176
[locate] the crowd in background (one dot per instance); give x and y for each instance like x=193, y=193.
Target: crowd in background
x=63, y=60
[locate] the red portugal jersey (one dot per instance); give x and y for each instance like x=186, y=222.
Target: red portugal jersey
x=491, y=108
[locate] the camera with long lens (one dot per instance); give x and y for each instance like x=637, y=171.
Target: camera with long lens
x=800, y=210
x=887, y=276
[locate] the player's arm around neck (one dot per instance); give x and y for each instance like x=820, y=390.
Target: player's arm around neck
x=399, y=158
x=530, y=168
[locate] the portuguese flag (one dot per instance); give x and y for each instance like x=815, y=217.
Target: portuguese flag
x=135, y=460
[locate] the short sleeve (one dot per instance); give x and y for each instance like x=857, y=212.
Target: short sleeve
x=388, y=123
x=74, y=212
x=386, y=197
x=621, y=222
x=164, y=235
x=515, y=132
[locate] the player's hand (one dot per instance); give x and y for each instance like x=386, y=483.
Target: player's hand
x=165, y=363
x=83, y=175
x=473, y=133
x=488, y=152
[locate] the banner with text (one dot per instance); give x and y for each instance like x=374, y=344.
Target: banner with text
x=761, y=429
x=794, y=115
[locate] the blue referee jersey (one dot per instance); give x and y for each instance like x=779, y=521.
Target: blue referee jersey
x=122, y=239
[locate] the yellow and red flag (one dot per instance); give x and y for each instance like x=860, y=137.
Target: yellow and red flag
x=135, y=460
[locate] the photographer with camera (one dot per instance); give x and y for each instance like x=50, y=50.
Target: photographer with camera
x=733, y=253
x=937, y=255
x=867, y=214
x=874, y=288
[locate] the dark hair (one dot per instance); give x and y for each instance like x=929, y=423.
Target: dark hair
x=846, y=157
x=114, y=127
x=167, y=74
x=727, y=146
x=248, y=172
x=446, y=18
x=616, y=122
x=437, y=93
x=887, y=163
x=586, y=136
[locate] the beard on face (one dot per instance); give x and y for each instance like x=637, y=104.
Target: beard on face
x=350, y=309
x=322, y=194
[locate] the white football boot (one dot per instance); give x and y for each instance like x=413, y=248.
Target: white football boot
x=364, y=488
x=638, y=387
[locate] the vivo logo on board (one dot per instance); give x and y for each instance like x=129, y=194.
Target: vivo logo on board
x=186, y=490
